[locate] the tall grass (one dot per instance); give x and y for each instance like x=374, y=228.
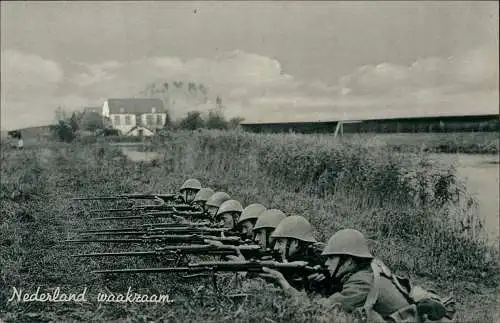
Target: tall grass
x=406, y=204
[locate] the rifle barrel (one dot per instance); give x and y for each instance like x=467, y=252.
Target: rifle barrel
x=150, y=270
x=108, y=240
x=108, y=254
x=244, y=266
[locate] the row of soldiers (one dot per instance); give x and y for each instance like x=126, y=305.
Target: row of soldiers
x=353, y=279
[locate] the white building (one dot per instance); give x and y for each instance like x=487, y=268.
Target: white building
x=135, y=116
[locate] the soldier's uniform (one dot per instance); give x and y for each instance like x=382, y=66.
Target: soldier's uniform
x=370, y=291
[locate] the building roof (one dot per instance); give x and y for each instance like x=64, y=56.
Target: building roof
x=135, y=105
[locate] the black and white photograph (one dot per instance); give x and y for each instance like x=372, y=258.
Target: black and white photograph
x=250, y=161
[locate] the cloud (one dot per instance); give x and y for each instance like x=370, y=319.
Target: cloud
x=27, y=74
x=257, y=88
x=476, y=69
x=29, y=82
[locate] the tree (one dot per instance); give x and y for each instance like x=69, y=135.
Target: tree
x=73, y=121
x=92, y=121
x=168, y=121
x=192, y=121
x=235, y=122
x=63, y=131
x=60, y=114
x=216, y=120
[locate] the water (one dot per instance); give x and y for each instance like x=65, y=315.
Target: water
x=137, y=152
x=481, y=174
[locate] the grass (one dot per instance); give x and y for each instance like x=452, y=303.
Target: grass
x=409, y=207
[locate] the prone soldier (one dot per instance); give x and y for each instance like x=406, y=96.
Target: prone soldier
x=228, y=215
x=248, y=218
x=294, y=241
x=215, y=201
x=189, y=189
x=201, y=198
x=366, y=287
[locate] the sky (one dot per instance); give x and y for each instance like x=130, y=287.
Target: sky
x=269, y=61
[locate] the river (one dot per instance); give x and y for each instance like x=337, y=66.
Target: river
x=481, y=174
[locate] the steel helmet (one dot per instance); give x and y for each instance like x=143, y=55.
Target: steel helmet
x=217, y=199
x=251, y=212
x=269, y=219
x=295, y=227
x=230, y=206
x=203, y=195
x=347, y=242
x=191, y=183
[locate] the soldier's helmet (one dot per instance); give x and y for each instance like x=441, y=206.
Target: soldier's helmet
x=192, y=184
x=269, y=219
x=230, y=206
x=203, y=195
x=347, y=242
x=294, y=227
x=217, y=199
x=252, y=211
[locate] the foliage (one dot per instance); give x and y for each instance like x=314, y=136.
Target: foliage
x=403, y=202
x=91, y=121
x=63, y=131
x=235, y=122
x=192, y=121
x=216, y=120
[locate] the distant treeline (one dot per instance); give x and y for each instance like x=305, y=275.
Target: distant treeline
x=91, y=123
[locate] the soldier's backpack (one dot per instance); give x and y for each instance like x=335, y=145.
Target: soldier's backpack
x=424, y=304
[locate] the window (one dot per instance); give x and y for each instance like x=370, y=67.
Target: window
x=149, y=120
x=159, y=120
x=128, y=120
x=153, y=110
x=122, y=110
x=117, y=120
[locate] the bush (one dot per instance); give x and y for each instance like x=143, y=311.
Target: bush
x=192, y=121
x=63, y=131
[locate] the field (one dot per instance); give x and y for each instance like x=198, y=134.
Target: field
x=407, y=204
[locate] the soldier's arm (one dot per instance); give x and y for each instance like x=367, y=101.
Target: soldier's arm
x=353, y=294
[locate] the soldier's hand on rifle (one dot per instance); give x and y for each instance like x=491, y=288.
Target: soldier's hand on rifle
x=214, y=243
x=318, y=277
x=272, y=275
x=299, y=263
x=235, y=258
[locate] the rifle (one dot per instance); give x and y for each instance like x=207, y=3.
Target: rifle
x=248, y=251
x=174, y=230
x=131, y=196
x=151, y=225
x=155, y=207
x=226, y=266
x=148, y=239
x=142, y=216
